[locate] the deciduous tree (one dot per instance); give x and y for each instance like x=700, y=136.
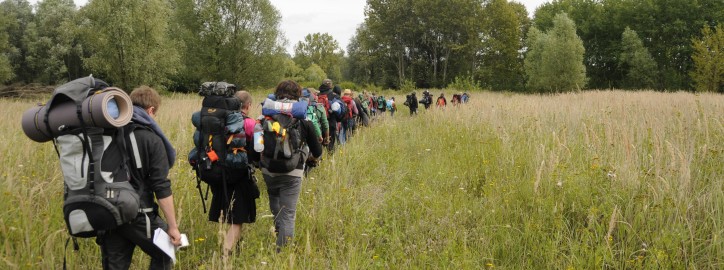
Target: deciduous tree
x=130, y=42
x=53, y=48
x=17, y=16
x=320, y=49
x=235, y=41
x=636, y=62
x=708, y=57
x=556, y=63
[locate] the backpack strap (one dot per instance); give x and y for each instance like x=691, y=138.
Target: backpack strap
x=145, y=212
x=136, y=163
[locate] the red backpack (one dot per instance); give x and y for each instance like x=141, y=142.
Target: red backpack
x=324, y=100
x=350, y=108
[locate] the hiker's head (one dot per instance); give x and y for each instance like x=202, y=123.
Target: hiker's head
x=147, y=98
x=327, y=82
x=348, y=92
x=245, y=99
x=288, y=90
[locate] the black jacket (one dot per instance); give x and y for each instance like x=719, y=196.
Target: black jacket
x=150, y=177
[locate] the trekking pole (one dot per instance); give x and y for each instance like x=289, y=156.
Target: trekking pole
x=201, y=193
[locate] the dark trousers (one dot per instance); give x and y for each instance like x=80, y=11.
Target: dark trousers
x=117, y=245
x=332, y=133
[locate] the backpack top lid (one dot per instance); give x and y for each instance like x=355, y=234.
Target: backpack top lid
x=78, y=89
x=217, y=89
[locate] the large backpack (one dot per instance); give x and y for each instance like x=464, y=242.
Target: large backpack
x=324, y=100
x=98, y=195
x=218, y=153
x=282, y=136
x=337, y=108
x=312, y=117
x=381, y=103
x=365, y=103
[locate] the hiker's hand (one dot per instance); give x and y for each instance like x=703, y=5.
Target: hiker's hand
x=320, y=139
x=175, y=236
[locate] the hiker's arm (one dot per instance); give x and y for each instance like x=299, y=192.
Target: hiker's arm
x=157, y=167
x=166, y=205
x=157, y=179
x=315, y=148
x=325, y=122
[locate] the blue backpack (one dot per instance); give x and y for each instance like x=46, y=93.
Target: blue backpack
x=338, y=108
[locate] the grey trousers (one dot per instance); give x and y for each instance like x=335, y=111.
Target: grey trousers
x=283, y=197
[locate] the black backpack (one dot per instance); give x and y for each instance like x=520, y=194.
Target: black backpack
x=283, y=145
x=217, y=153
x=98, y=195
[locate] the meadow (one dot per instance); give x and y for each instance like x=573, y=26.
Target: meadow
x=590, y=180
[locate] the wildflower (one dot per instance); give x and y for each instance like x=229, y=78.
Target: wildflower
x=200, y=239
x=490, y=265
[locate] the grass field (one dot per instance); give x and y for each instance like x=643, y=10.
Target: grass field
x=592, y=180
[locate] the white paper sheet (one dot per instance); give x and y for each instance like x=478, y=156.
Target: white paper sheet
x=163, y=241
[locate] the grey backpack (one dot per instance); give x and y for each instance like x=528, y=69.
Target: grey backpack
x=98, y=195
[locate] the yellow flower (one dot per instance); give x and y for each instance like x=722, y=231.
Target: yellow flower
x=490, y=265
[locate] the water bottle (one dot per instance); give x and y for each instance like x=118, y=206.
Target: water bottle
x=258, y=138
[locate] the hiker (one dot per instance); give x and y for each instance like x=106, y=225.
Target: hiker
x=284, y=186
x=391, y=106
x=441, y=101
x=465, y=98
x=426, y=99
x=411, y=102
x=316, y=113
x=235, y=204
x=318, y=116
x=381, y=104
x=363, y=106
x=347, y=124
x=373, y=105
x=156, y=156
x=456, y=99
x=325, y=95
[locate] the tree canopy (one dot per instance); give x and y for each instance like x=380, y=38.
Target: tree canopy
x=494, y=44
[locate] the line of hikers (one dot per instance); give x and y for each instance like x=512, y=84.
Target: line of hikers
x=284, y=142
x=441, y=102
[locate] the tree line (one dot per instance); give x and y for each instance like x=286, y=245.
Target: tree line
x=489, y=44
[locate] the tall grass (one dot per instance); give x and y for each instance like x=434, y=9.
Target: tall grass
x=610, y=179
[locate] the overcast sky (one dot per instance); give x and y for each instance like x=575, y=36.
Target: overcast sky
x=339, y=18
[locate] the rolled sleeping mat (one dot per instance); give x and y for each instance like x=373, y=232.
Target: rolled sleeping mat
x=296, y=109
x=110, y=108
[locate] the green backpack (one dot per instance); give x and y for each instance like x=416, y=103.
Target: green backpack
x=312, y=117
x=381, y=102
